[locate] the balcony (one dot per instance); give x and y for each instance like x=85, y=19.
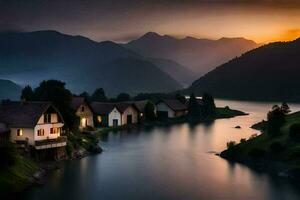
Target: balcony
x=51, y=143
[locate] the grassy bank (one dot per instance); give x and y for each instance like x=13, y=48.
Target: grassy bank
x=18, y=176
x=278, y=154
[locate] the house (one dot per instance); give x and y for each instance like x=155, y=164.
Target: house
x=83, y=111
x=170, y=108
x=129, y=113
x=106, y=114
x=140, y=106
x=114, y=114
x=36, y=124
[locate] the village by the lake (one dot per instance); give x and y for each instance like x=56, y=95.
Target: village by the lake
x=150, y=100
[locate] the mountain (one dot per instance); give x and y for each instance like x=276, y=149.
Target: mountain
x=180, y=73
x=270, y=72
x=200, y=55
x=9, y=90
x=30, y=57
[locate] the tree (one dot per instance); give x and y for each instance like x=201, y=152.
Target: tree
x=99, y=95
x=209, y=103
x=194, y=110
x=180, y=98
x=27, y=93
x=55, y=92
x=150, y=111
x=276, y=119
x=86, y=96
x=285, y=108
x=123, y=97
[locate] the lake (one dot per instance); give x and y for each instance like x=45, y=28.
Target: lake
x=170, y=163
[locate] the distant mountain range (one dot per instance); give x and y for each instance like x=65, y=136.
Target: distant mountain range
x=270, y=72
x=198, y=55
x=9, y=90
x=30, y=57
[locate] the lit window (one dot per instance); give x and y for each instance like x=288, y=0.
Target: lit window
x=99, y=118
x=19, y=132
x=54, y=130
x=47, y=118
x=141, y=114
x=41, y=132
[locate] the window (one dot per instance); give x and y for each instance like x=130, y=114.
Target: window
x=41, y=132
x=19, y=132
x=54, y=130
x=82, y=108
x=99, y=118
x=47, y=118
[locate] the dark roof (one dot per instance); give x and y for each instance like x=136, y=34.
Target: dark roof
x=174, y=104
x=23, y=114
x=140, y=105
x=76, y=102
x=3, y=128
x=103, y=108
x=122, y=106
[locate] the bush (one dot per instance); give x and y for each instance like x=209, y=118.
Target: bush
x=276, y=147
x=253, y=136
x=294, y=131
x=295, y=152
x=256, y=153
x=7, y=154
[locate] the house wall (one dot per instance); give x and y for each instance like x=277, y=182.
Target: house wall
x=163, y=107
x=47, y=134
x=87, y=114
x=130, y=111
x=114, y=114
x=31, y=135
x=27, y=135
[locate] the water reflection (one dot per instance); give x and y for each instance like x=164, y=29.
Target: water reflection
x=170, y=163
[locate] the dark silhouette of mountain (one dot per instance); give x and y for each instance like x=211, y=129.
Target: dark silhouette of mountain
x=9, y=90
x=28, y=58
x=200, y=55
x=270, y=72
x=180, y=73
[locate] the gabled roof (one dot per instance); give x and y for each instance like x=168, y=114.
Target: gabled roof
x=122, y=106
x=140, y=105
x=102, y=108
x=174, y=104
x=24, y=114
x=76, y=102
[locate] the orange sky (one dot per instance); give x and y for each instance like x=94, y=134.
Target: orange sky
x=260, y=20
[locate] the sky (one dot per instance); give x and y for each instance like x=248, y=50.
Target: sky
x=119, y=20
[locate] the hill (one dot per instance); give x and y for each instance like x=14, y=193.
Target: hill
x=266, y=73
x=29, y=57
x=199, y=55
x=9, y=90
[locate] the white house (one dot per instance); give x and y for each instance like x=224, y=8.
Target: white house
x=37, y=124
x=83, y=111
x=106, y=114
x=170, y=108
x=114, y=114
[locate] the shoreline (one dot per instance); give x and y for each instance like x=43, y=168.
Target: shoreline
x=45, y=168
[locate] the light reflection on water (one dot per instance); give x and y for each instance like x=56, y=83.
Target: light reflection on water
x=170, y=163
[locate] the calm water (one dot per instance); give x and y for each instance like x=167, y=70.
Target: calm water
x=170, y=163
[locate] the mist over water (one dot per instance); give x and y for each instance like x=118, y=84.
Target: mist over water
x=177, y=162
